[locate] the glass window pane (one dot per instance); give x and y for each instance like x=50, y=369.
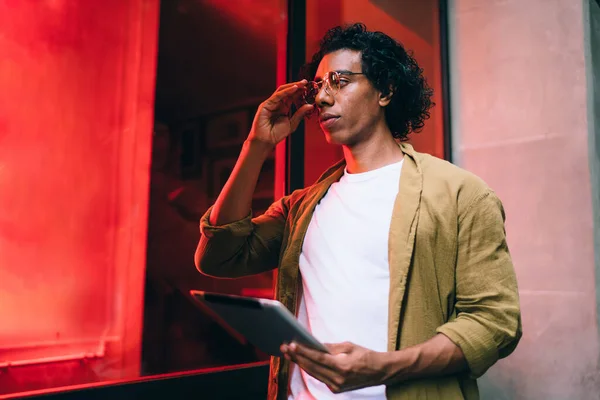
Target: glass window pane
x=217, y=61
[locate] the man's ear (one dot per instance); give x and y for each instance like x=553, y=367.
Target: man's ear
x=384, y=99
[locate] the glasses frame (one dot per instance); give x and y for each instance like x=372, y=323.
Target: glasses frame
x=309, y=98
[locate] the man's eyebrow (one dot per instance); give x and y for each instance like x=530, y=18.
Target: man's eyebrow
x=339, y=71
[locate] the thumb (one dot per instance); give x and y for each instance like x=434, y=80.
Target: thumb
x=339, y=348
x=299, y=115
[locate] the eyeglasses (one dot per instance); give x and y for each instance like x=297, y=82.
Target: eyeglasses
x=333, y=83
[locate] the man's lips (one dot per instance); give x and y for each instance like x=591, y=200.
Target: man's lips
x=326, y=116
x=327, y=120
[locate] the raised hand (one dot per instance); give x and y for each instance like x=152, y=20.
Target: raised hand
x=273, y=122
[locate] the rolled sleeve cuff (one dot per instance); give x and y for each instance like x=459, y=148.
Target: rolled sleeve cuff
x=243, y=227
x=476, y=343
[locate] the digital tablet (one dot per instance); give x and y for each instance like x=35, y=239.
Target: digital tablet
x=267, y=324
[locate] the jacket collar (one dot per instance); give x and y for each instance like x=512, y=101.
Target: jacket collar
x=403, y=227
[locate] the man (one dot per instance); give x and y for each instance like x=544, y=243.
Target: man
x=395, y=257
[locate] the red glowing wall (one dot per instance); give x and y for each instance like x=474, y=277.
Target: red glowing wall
x=76, y=111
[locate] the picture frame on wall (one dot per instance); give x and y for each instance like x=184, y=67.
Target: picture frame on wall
x=226, y=129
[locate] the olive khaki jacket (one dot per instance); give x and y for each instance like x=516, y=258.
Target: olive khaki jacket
x=450, y=268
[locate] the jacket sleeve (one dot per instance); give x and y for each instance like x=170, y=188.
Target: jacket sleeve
x=487, y=326
x=241, y=248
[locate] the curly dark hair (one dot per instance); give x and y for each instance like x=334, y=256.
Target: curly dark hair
x=388, y=66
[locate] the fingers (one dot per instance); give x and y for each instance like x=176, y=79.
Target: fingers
x=293, y=349
x=298, y=355
x=315, y=356
x=299, y=115
x=286, y=91
x=279, y=104
x=301, y=83
x=277, y=97
x=324, y=374
x=305, y=351
x=338, y=348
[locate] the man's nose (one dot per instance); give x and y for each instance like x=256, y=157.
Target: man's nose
x=323, y=98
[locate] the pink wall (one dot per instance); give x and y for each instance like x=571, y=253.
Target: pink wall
x=75, y=130
x=519, y=107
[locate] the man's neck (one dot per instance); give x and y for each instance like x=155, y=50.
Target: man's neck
x=376, y=152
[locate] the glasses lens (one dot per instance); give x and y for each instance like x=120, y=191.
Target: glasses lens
x=333, y=79
x=310, y=92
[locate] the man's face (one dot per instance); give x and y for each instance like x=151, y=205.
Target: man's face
x=349, y=116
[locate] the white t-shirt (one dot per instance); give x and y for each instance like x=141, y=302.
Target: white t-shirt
x=345, y=272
